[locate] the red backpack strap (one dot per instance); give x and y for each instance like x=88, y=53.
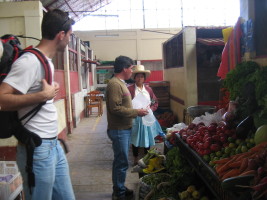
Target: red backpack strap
x=44, y=61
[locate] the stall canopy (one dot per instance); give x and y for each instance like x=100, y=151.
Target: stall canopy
x=211, y=41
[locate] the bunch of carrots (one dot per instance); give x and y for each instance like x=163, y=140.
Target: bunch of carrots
x=243, y=163
x=253, y=162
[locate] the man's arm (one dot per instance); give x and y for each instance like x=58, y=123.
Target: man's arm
x=11, y=99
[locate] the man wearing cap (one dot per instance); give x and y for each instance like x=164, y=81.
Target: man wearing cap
x=120, y=115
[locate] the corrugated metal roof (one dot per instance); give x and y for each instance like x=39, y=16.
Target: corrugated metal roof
x=76, y=8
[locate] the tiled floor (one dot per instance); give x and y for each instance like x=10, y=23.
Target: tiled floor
x=90, y=159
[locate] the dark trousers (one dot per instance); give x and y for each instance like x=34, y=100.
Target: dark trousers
x=135, y=150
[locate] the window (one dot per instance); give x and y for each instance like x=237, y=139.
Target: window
x=173, y=52
x=260, y=27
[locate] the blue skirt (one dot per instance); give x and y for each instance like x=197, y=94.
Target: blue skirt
x=143, y=136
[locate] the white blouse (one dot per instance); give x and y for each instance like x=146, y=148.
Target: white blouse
x=143, y=91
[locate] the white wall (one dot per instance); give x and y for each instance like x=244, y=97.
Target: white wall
x=137, y=44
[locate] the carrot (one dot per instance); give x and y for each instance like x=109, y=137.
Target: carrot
x=231, y=173
x=244, y=164
x=225, y=167
x=236, y=164
x=247, y=172
x=222, y=161
x=244, y=155
x=258, y=147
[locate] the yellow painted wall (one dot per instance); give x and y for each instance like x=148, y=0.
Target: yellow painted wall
x=176, y=77
x=183, y=80
x=21, y=18
x=60, y=105
x=137, y=44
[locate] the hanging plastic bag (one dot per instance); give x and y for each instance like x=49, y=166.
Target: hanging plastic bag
x=149, y=119
x=140, y=102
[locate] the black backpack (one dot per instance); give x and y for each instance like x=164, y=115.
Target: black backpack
x=9, y=122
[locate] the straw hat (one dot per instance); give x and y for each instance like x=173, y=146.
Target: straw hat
x=140, y=69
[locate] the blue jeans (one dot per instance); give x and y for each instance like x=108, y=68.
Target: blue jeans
x=120, y=144
x=50, y=166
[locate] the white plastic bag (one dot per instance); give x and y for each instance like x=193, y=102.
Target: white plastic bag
x=140, y=102
x=149, y=119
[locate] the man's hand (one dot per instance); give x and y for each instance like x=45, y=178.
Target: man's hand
x=50, y=91
x=142, y=112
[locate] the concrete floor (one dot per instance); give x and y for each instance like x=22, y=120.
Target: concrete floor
x=90, y=159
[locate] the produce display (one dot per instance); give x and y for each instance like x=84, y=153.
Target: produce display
x=166, y=119
x=234, y=148
x=215, y=141
x=236, y=151
x=193, y=193
x=251, y=172
x=247, y=84
x=177, y=177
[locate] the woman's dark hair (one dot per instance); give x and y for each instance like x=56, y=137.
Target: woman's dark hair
x=140, y=73
x=55, y=21
x=122, y=62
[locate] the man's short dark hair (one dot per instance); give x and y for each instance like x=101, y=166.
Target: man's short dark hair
x=122, y=62
x=55, y=21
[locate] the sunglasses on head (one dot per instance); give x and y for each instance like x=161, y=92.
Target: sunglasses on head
x=65, y=22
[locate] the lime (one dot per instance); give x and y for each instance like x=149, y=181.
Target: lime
x=216, y=158
x=218, y=153
x=244, y=149
x=238, y=150
x=238, y=141
x=212, y=155
x=231, y=145
x=251, y=140
x=211, y=163
x=227, y=150
x=206, y=158
x=230, y=139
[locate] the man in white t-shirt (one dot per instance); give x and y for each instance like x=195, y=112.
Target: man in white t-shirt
x=23, y=89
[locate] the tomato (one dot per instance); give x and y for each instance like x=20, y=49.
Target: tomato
x=216, y=138
x=214, y=147
x=206, y=145
x=223, y=139
x=212, y=128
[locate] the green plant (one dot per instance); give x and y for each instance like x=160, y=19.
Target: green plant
x=247, y=84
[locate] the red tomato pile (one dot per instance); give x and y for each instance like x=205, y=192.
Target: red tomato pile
x=207, y=139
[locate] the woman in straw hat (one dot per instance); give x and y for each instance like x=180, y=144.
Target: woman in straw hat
x=143, y=134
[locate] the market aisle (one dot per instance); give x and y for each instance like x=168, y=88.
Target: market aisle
x=90, y=159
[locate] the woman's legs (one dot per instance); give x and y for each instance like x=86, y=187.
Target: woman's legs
x=135, y=154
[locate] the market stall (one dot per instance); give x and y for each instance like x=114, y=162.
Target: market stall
x=221, y=151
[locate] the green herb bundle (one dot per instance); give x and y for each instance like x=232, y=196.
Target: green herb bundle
x=247, y=84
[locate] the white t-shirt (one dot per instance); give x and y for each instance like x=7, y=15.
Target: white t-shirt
x=25, y=76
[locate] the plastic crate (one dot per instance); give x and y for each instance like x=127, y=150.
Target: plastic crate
x=8, y=167
x=204, y=171
x=10, y=180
